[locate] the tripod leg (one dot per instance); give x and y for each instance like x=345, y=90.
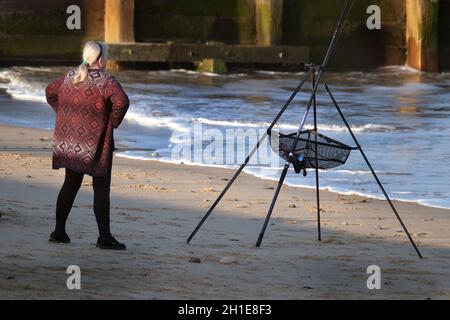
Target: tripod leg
x=243, y=165
x=319, y=236
x=373, y=171
x=219, y=198
x=272, y=205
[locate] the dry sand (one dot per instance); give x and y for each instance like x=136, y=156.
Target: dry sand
x=155, y=206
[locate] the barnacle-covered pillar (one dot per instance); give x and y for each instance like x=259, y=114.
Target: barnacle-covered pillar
x=422, y=17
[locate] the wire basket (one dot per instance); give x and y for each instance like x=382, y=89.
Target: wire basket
x=330, y=153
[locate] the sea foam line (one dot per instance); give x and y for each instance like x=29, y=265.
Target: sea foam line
x=337, y=190
x=364, y=128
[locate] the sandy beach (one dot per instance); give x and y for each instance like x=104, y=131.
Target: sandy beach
x=155, y=206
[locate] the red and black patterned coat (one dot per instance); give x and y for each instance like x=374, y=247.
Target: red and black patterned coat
x=86, y=115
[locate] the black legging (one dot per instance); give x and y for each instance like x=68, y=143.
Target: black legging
x=69, y=190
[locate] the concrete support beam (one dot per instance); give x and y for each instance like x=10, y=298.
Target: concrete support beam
x=422, y=34
x=178, y=52
x=268, y=22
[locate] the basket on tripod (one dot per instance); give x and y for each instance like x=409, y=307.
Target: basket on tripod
x=330, y=153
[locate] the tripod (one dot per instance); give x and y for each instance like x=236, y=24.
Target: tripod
x=316, y=74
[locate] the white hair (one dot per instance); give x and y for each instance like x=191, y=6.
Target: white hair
x=92, y=52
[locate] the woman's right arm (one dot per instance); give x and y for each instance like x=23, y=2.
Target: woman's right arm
x=51, y=92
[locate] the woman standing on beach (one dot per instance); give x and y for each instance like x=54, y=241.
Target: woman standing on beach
x=89, y=105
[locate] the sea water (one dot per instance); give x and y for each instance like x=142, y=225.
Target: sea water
x=401, y=118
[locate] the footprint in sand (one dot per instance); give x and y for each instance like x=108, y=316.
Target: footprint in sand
x=332, y=241
x=350, y=200
x=130, y=218
x=422, y=234
x=147, y=186
x=314, y=209
x=230, y=199
x=228, y=260
x=173, y=224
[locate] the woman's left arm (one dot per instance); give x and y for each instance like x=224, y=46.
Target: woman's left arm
x=51, y=92
x=119, y=101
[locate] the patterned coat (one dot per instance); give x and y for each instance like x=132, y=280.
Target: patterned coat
x=86, y=115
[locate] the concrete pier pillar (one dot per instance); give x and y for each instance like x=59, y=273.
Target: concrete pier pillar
x=268, y=22
x=422, y=18
x=119, y=23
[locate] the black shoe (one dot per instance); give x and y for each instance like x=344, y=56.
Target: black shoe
x=110, y=243
x=59, y=237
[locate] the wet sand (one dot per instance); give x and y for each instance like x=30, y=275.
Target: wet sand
x=155, y=206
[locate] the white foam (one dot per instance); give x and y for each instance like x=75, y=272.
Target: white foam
x=402, y=192
x=192, y=72
x=224, y=123
x=38, y=69
x=125, y=154
x=407, y=88
x=364, y=128
x=275, y=73
x=354, y=172
x=20, y=88
x=402, y=68
x=172, y=123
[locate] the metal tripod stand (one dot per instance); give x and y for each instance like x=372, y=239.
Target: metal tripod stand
x=316, y=74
